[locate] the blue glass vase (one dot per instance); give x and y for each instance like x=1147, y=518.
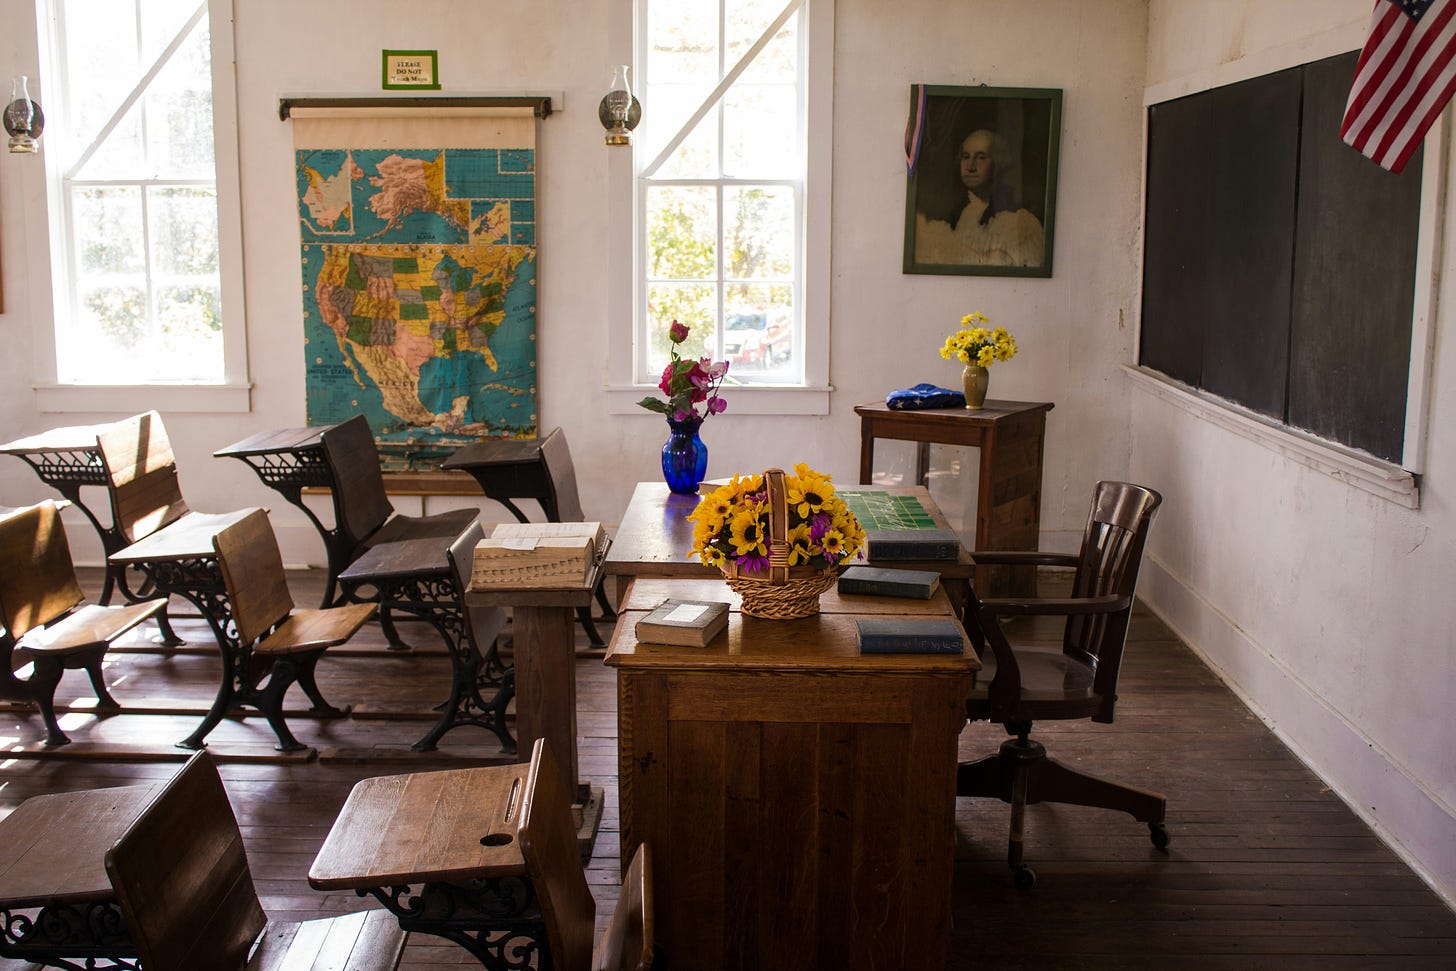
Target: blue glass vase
x=684, y=457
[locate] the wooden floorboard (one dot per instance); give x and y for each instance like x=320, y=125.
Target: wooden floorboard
x=1267, y=868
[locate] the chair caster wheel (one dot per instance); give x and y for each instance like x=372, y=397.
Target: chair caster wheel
x=1024, y=877
x=1159, y=835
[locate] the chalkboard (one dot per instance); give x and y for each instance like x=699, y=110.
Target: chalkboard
x=1279, y=264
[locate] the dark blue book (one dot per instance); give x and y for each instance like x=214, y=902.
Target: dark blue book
x=912, y=544
x=898, y=635
x=877, y=581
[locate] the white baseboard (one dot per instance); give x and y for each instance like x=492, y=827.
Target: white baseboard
x=1410, y=819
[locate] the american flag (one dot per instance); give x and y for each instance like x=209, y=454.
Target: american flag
x=1405, y=77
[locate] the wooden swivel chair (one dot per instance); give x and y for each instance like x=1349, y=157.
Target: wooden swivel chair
x=553, y=862
x=1018, y=685
x=182, y=880
x=532, y=468
x=363, y=515
x=41, y=615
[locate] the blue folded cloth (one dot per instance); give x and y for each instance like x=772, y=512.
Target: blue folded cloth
x=924, y=396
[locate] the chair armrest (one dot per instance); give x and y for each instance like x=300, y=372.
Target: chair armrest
x=1019, y=558
x=1053, y=606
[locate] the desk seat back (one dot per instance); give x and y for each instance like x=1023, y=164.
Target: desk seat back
x=484, y=624
x=37, y=581
x=556, y=456
x=141, y=474
x=553, y=862
x=182, y=879
x=360, y=503
x=252, y=571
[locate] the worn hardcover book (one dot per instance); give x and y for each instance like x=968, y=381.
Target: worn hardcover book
x=536, y=554
x=876, y=581
x=897, y=635
x=912, y=544
x=686, y=623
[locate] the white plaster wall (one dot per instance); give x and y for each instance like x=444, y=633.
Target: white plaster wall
x=887, y=327
x=1328, y=609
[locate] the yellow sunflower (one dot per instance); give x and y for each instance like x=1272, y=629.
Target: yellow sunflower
x=808, y=491
x=801, y=547
x=746, y=532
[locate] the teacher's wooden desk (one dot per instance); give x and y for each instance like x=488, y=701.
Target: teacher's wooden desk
x=1011, y=436
x=799, y=796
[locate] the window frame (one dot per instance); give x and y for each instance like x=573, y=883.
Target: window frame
x=808, y=394
x=54, y=301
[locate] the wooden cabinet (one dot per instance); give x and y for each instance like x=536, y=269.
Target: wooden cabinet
x=798, y=796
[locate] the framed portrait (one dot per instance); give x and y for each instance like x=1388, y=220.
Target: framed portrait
x=982, y=180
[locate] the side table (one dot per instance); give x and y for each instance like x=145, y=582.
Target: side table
x=1011, y=436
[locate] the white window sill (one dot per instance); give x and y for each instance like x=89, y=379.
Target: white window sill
x=622, y=400
x=136, y=398
x=1354, y=468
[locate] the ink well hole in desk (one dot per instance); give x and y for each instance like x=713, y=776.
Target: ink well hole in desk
x=496, y=839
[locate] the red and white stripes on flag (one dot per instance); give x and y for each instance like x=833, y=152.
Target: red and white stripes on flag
x=1404, y=78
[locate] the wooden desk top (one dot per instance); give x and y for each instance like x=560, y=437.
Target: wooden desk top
x=826, y=642
x=655, y=537
x=274, y=442
x=53, y=848
x=404, y=558
x=500, y=451
x=425, y=827
x=993, y=411
x=188, y=538
x=72, y=438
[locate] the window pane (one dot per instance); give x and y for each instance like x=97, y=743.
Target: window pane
x=697, y=156
x=760, y=132
x=100, y=52
x=684, y=43
x=682, y=233
x=184, y=230
x=746, y=22
x=191, y=329
x=161, y=19
x=179, y=112
x=758, y=329
x=758, y=233
x=691, y=304
x=107, y=225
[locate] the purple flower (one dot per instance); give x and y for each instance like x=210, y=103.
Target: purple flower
x=682, y=414
x=819, y=524
x=753, y=563
x=716, y=405
x=677, y=333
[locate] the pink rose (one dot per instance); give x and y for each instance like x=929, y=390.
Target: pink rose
x=666, y=383
x=677, y=333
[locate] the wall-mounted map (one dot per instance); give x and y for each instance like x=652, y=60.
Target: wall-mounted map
x=419, y=276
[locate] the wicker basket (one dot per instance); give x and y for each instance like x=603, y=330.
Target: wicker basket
x=781, y=592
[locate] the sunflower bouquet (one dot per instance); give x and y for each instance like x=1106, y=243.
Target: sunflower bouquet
x=733, y=526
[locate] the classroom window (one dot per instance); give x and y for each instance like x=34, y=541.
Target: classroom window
x=137, y=259
x=722, y=184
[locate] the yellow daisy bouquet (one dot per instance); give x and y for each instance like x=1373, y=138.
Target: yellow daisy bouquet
x=732, y=527
x=975, y=343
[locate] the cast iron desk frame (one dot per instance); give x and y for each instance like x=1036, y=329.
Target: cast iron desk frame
x=426, y=588
x=73, y=921
x=185, y=564
x=1011, y=436
x=67, y=459
x=474, y=892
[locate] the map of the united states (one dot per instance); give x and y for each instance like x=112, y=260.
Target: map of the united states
x=420, y=292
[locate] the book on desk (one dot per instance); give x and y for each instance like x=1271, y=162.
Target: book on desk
x=876, y=581
x=683, y=623
x=912, y=544
x=899, y=635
